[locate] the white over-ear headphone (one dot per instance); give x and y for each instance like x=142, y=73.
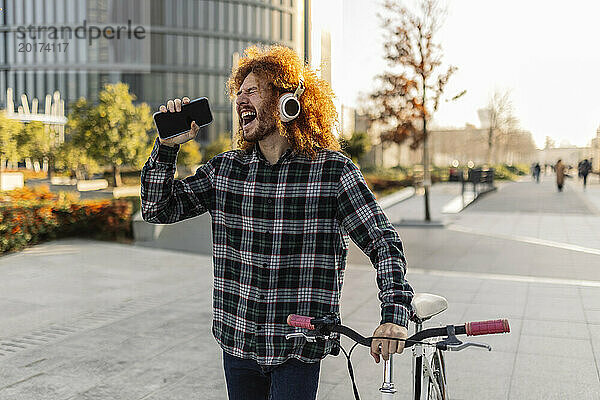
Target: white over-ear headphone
x=289, y=105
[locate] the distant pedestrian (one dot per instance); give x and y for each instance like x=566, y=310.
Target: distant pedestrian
x=560, y=174
x=536, y=172
x=584, y=169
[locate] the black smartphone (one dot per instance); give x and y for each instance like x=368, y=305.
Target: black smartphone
x=170, y=124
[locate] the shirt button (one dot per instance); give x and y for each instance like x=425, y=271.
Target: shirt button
x=265, y=265
x=270, y=201
x=262, y=296
x=258, y=327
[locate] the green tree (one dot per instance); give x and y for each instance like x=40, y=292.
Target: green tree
x=358, y=144
x=412, y=87
x=219, y=145
x=189, y=154
x=10, y=129
x=39, y=142
x=115, y=132
x=70, y=157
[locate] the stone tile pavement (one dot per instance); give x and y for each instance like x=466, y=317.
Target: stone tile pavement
x=93, y=320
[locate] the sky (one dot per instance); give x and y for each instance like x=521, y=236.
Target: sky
x=543, y=52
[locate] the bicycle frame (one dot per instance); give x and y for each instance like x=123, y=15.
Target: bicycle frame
x=422, y=360
x=421, y=370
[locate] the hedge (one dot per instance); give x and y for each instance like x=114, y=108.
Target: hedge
x=31, y=216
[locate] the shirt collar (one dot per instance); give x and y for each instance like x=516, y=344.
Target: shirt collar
x=258, y=155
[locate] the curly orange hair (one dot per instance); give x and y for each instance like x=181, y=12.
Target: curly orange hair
x=315, y=125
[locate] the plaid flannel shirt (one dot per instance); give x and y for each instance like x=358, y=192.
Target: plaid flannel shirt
x=280, y=239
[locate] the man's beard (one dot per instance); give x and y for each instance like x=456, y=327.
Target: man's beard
x=266, y=125
x=263, y=129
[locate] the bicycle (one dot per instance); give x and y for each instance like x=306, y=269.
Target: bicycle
x=429, y=368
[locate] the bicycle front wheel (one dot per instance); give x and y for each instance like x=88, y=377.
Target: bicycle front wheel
x=437, y=389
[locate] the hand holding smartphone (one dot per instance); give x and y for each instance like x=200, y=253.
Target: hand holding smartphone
x=181, y=119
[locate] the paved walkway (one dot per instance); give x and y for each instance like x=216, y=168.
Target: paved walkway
x=530, y=211
x=94, y=320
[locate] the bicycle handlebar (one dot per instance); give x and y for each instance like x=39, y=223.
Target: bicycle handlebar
x=487, y=327
x=469, y=329
x=299, y=321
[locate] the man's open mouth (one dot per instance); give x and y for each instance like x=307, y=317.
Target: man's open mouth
x=248, y=117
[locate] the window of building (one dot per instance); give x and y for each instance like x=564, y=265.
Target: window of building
x=49, y=12
x=266, y=23
x=222, y=53
x=182, y=55
x=49, y=83
x=276, y=24
x=157, y=12
x=187, y=13
x=28, y=12
x=83, y=84
x=241, y=20
x=168, y=50
x=190, y=53
x=208, y=60
x=3, y=87
x=194, y=14
x=40, y=88
x=221, y=17
x=38, y=18
x=204, y=14
x=197, y=85
x=180, y=16
x=230, y=18
x=30, y=85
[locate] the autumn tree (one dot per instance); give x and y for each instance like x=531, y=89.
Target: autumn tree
x=114, y=132
x=411, y=88
x=500, y=119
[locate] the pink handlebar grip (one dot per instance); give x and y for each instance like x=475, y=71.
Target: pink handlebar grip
x=487, y=327
x=299, y=321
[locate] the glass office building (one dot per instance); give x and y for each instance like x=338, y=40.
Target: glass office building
x=183, y=47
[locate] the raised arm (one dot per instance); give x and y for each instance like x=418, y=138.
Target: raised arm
x=165, y=199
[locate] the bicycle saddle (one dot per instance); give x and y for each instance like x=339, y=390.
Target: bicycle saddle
x=426, y=305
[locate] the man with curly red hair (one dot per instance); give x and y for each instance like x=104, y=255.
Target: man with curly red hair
x=283, y=206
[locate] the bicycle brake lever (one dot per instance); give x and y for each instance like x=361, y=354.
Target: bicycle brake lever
x=295, y=335
x=468, y=344
x=309, y=338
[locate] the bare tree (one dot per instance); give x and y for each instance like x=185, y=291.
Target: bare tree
x=411, y=90
x=501, y=120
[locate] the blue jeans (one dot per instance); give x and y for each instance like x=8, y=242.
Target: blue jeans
x=292, y=380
